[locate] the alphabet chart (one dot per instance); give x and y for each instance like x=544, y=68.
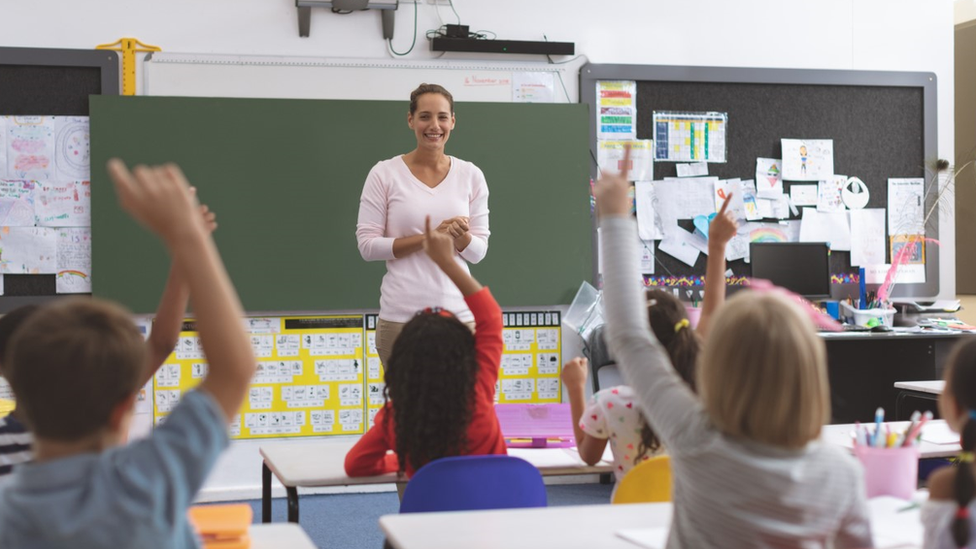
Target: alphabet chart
x=309, y=378
x=532, y=357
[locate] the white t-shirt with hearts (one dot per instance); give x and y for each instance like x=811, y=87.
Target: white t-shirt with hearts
x=612, y=414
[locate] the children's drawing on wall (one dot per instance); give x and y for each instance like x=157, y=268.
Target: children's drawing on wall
x=62, y=204
x=650, y=225
x=749, y=202
x=769, y=178
x=916, y=248
x=28, y=250
x=71, y=150
x=617, y=109
x=906, y=206
x=16, y=203
x=829, y=197
x=610, y=158
x=808, y=159
x=30, y=147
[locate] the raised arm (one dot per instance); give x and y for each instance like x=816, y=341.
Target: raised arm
x=720, y=231
x=440, y=248
x=574, y=379
x=160, y=199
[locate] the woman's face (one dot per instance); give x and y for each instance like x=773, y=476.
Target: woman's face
x=432, y=122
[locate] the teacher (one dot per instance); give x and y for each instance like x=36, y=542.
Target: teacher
x=398, y=195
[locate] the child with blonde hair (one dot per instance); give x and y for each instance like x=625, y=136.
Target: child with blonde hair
x=749, y=469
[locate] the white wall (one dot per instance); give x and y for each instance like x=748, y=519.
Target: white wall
x=965, y=10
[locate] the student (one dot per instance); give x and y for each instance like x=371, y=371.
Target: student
x=631, y=439
x=749, y=469
x=440, y=382
x=948, y=516
x=76, y=366
x=15, y=439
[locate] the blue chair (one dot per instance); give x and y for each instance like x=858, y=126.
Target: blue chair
x=466, y=483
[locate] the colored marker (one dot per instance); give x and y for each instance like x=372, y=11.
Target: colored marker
x=878, y=419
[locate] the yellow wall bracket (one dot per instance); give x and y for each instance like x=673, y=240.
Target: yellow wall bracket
x=128, y=47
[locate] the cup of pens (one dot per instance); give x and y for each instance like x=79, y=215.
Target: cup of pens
x=889, y=456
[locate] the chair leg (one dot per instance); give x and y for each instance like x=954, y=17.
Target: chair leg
x=292, y=503
x=265, y=493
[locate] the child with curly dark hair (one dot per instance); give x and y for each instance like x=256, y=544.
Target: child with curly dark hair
x=440, y=382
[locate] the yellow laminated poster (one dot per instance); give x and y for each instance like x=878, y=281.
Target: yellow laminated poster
x=531, y=359
x=309, y=378
x=374, y=372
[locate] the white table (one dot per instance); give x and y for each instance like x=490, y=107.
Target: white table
x=590, y=526
x=279, y=536
x=925, y=390
x=322, y=464
x=935, y=430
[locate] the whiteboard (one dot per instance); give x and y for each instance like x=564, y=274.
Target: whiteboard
x=205, y=75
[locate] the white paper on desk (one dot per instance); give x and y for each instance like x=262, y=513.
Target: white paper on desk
x=650, y=538
x=63, y=203
x=695, y=169
x=829, y=197
x=868, y=236
x=834, y=228
x=647, y=256
x=650, y=225
x=74, y=260
x=684, y=199
x=725, y=187
x=807, y=159
x=939, y=433
x=16, y=203
x=769, y=177
x=803, y=195
x=678, y=243
x=907, y=274
x=30, y=147
x=906, y=200
x=548, y=457
x=28, y=250
x=895, y=522
x=610, y=158
x=71, y=148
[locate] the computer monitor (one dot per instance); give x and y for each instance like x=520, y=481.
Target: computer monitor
x=801, y=267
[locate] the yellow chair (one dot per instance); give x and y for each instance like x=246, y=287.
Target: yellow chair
x=648, y=482
x=6, y=406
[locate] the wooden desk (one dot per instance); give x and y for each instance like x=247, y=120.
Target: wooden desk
x=935, y=429
x=310, y=465
x=279, y=536
x=924, y=390
x=589, y=526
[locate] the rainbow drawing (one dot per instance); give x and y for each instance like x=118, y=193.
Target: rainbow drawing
x=67, y=273
x=769, y=234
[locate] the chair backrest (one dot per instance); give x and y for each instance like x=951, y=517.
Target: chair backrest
x=648, y=482
x=464, y=483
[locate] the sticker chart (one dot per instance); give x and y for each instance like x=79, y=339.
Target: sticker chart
x=532, y=358
x=375, y=374
x=309, y=378
x=690, y=136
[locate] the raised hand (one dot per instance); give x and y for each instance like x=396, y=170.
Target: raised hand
x=724, y=226
x=159, y=197
x=612, y=190
x=574, y=372
x=438, y=245
x=209, y=217
x=455, y=226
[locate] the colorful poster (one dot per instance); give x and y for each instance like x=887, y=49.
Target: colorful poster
x=62, y=203
x=72, y=156
x=375, y=373
x=690, y=136
x=769, y=177
x=532, y=358
x=829, y=194
x=616, y=116
x=30, y=147
x=808, y=159
x=16, y=203
x=28, y=250
x=610, y=158
x=74, y=261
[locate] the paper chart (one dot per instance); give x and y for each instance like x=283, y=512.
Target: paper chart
x=532, y=358
x=690, y=136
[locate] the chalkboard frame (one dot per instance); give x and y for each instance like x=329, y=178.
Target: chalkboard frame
x=926, y=82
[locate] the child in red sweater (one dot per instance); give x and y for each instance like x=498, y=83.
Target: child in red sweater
x=440, y=382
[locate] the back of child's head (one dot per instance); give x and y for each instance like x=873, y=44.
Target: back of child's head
x=961, y=389
x=70, y=365
x=430, y=379
x=9, y=322
x=762, y=374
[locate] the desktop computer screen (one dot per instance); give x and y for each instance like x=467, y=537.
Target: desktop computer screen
x=801, y=267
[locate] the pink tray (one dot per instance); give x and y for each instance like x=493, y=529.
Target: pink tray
x=536, y=425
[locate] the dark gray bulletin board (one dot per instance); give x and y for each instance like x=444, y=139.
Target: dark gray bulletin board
x=50, y=82
x=883, y=125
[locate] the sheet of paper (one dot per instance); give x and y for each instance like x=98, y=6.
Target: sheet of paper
x=868, y=237
x=3, y=149
x=617, y=109
x=895, y=522
x=737, y=248
x=784, y=231
x=829, y=191
x=28, y=250
x=834, y=228
x=63, y=203
x=684, y=198
x=907, y=274
x=906, y=203
x=71, y=148
x=647, y=257
x=774, y=208
x=690, y=136
x=74, y=260
x=16, y=203
x=547, y=457
x=610, y=158
x=769, y=177
x=533, y=87
x=808, y=159
x=939, y=433
x=30, y=147
x=649, y=223
x=649, y=538
x=749, y=200
x=804, y=195
x=725, y=187
x=678, y=243
x=696, y=169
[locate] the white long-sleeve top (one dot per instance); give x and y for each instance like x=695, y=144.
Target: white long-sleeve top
x=728, y=492
x=394, y=205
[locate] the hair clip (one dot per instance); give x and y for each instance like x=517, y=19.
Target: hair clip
x=439, y=311
x=962, y=513
x=966, y=457
x=683, y=323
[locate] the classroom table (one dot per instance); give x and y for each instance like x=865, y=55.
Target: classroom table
x=898, y=524
x=937, y=440
x=322, y=464
x=924, y=390
x=279, y=536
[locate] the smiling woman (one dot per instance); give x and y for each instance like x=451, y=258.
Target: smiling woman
x=399, y=194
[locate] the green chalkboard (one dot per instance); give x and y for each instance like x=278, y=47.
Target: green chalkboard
x=284, y=177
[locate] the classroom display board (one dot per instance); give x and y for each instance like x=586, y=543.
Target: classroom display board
x=285, y=177
x=532, y=358
x=790, y=133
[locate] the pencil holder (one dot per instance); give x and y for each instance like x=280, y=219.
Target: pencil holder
x=694, y=315
x=889, y=471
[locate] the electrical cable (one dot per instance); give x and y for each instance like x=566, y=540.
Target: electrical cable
x=414, y=42
x=451, y=2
